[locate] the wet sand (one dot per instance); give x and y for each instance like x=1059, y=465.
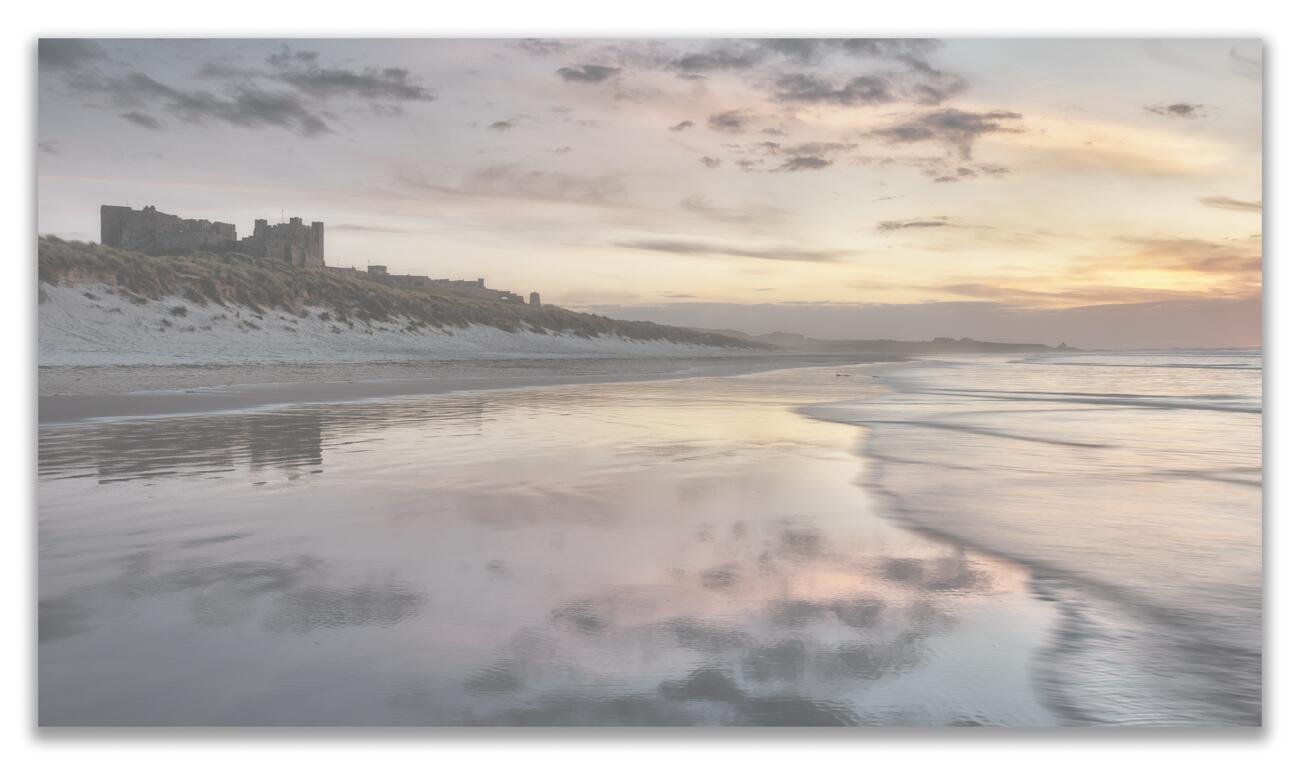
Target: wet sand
x=684, y=552
x=69, y=394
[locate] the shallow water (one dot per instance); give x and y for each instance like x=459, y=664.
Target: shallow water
x=684, y=552
x=1129, y=483
x=960, y=541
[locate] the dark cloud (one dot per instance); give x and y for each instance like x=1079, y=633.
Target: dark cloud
x=587, y=73
x=542, y=47
x=954, y=127
x=1228, y=203
x=1177, y=110
x=142, y=120
x=741, y=55
x=808, y=88
x=722, y=58
x=503, y=124
x=683, y=125
x=887, y=226
x=245, y=100
x=733, y=121
x=289, y=57
x=64, y=55
x=804, y=163
x=810, y=50
x=245, y=106
x=679, y=247
x=710, y=162
x=390, y=84
x=810, y=155
x=949, y=174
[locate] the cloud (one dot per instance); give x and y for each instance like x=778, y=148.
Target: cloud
x=681, y=247
x=683, y=125
x=804, y=163
x=143, y=120
x=721, y=58
x=503, y=124
x=1228, y=203
x=390, y=84
x=48, y=147
x=811, y=89
x=748, y=215
x=810, y=155
x=888, y=226
x=1184, y=254
x=733, y=121
x=542, y=47
x=589, y=73
x=286, y=56
x=1177, y=110
x=710, y=162
x=251, y=97
x=246, y=105
x=954, y=127
x=301, y=69
x=511, y=180
x=65, y=54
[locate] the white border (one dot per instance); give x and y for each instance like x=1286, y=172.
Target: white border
x=1016, y=18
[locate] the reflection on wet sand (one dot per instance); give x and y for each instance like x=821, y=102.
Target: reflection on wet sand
x=675, y=553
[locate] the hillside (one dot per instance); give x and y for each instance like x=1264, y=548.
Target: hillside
x=102, y=305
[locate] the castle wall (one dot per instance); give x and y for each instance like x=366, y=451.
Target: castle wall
x=157, y=233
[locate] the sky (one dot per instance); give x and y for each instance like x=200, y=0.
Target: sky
x=1102, y=193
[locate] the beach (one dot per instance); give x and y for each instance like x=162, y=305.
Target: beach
x=765, y=548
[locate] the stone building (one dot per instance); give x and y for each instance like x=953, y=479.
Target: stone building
x=535, y=299
x=291, y=242
x=157, y=233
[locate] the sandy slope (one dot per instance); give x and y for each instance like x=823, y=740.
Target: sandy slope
x=89, y=324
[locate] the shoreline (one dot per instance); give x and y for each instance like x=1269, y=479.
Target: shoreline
x=154, y=391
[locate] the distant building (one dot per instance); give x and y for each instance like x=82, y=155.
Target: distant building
x=377, y=270
x=291, y=242
x=158, y=233
x=535, y=299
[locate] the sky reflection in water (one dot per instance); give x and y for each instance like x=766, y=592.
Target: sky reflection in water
x=688, y=552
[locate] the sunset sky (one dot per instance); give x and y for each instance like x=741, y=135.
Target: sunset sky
x=1098, y=192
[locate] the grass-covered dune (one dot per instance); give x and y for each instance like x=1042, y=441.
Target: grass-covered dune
x=263, y=285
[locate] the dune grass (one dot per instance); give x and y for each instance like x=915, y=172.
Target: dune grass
x=263, y=285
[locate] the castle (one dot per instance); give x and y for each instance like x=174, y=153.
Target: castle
x=291, y=242
x=157, y=233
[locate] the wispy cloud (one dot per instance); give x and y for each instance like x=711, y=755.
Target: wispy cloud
x=700, y=248
x=1228, y=203
x=890, y=226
